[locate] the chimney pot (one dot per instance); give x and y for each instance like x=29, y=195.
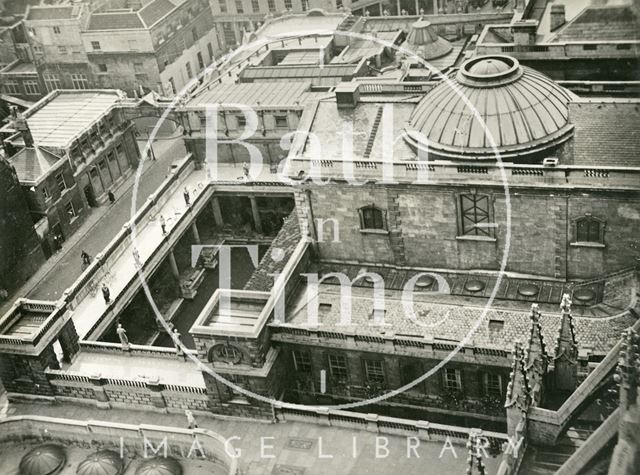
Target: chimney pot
x=557, y=17
x=347, y=95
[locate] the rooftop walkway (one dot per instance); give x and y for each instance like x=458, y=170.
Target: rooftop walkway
x=295, y=447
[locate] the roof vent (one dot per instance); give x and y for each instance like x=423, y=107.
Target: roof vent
x=347, y=95
x=550, y=162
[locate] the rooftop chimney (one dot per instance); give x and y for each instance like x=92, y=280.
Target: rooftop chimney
x=557, y=18
x=524, y=32
x=20, y=123
x=347, y=95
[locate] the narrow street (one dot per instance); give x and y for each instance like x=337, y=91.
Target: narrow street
x=63, y=268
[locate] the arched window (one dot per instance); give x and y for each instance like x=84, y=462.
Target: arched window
x=372, y=217
x=590, y=229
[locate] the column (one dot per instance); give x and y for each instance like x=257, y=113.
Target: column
x=435, y=7
x=399, y=8
x=417, y=7
x=174, y=265
x=217, y=213
x=256, y=214
x=194, y=231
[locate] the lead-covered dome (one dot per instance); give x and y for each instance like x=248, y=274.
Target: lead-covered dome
x=524, y=111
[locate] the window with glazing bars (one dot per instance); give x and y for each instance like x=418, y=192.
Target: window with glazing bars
x=302, y=361
x=374, y=371
x=338, y=367
x=475, y=216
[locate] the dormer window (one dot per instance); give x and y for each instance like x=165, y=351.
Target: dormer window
x=372, y=218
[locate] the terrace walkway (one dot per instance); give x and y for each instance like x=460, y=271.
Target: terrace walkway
x=295, y=445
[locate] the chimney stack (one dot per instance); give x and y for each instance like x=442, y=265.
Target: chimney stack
x=557, y=18
x=20, y=123
x=347, y=95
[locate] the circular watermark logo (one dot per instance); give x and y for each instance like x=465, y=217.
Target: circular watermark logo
x=226, y=66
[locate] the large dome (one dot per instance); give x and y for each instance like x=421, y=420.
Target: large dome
x=524, y=111
x=104, y=462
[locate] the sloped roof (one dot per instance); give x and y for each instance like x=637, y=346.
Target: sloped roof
x=68, y=114
x=31, y=164
x=609, y=23
x=606, y=132
x=51, y=13
x=154, y=11
x=424, y=41
x=115, y=21
x=266, y=93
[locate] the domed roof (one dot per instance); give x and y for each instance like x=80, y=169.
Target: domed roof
x=524, y=111
x=160, y=466
x=45, y=459
x=425, y=42
x=104, y=462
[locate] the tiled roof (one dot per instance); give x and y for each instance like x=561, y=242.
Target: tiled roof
x=115, y=21
x=606, y=132
x=33, y=163
x=51, y=13
x=68, y=114
x=154, y=11
x=611, y=23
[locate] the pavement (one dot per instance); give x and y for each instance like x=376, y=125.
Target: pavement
x=64, y=267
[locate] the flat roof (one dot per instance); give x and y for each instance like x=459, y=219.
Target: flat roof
x=52, y=12
x=266, y=93
x=66, y=115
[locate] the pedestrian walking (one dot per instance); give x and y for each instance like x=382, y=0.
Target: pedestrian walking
x=245, y=170
x=136, y=256
x=106, y=293
x=178, y=343
x=112, y=197
x=163, y=225
x=191, y=421
x=56, y=243
x=187, y=198
x=86, y=258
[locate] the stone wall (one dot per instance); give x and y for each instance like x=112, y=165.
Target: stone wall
x=423, y=229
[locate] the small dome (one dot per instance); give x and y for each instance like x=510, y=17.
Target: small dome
x=524, y=111
x=423, y=41
x=104, y=462
x=160, y=466
x=45, y=459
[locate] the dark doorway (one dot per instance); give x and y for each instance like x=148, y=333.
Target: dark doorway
x=91, y=199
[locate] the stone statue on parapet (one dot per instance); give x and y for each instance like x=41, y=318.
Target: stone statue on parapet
x=122, y=334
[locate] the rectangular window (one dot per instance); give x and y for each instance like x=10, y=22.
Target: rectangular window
x=223, y=6
x=138, y=67
x=102, y=68
x=492, y=385
x=79, y=81
x=45, y=193
x=70, y=209
x=37, y=49
x=374, y=371
x=210, y=51
x=623, y=46
x=31, y=87
x=56, y=30
x=305, y=5
x=239, y=8
x=281, y=121
x=288, y=5
x=338, y=368
x=371, y=217
x=51, y=82
x=589, y=47
x=241, y=120
x=589, y=229
x=271, y=4
x=302, y=361
x=255, y=6
x=189, y=71
x=62, y=184
x=474, y=215
x=200, y=60
x=95, y=45
x=11, y=87
x=452, y=379
x=62, y=49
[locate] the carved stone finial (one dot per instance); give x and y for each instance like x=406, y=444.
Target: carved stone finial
x=565, y=304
